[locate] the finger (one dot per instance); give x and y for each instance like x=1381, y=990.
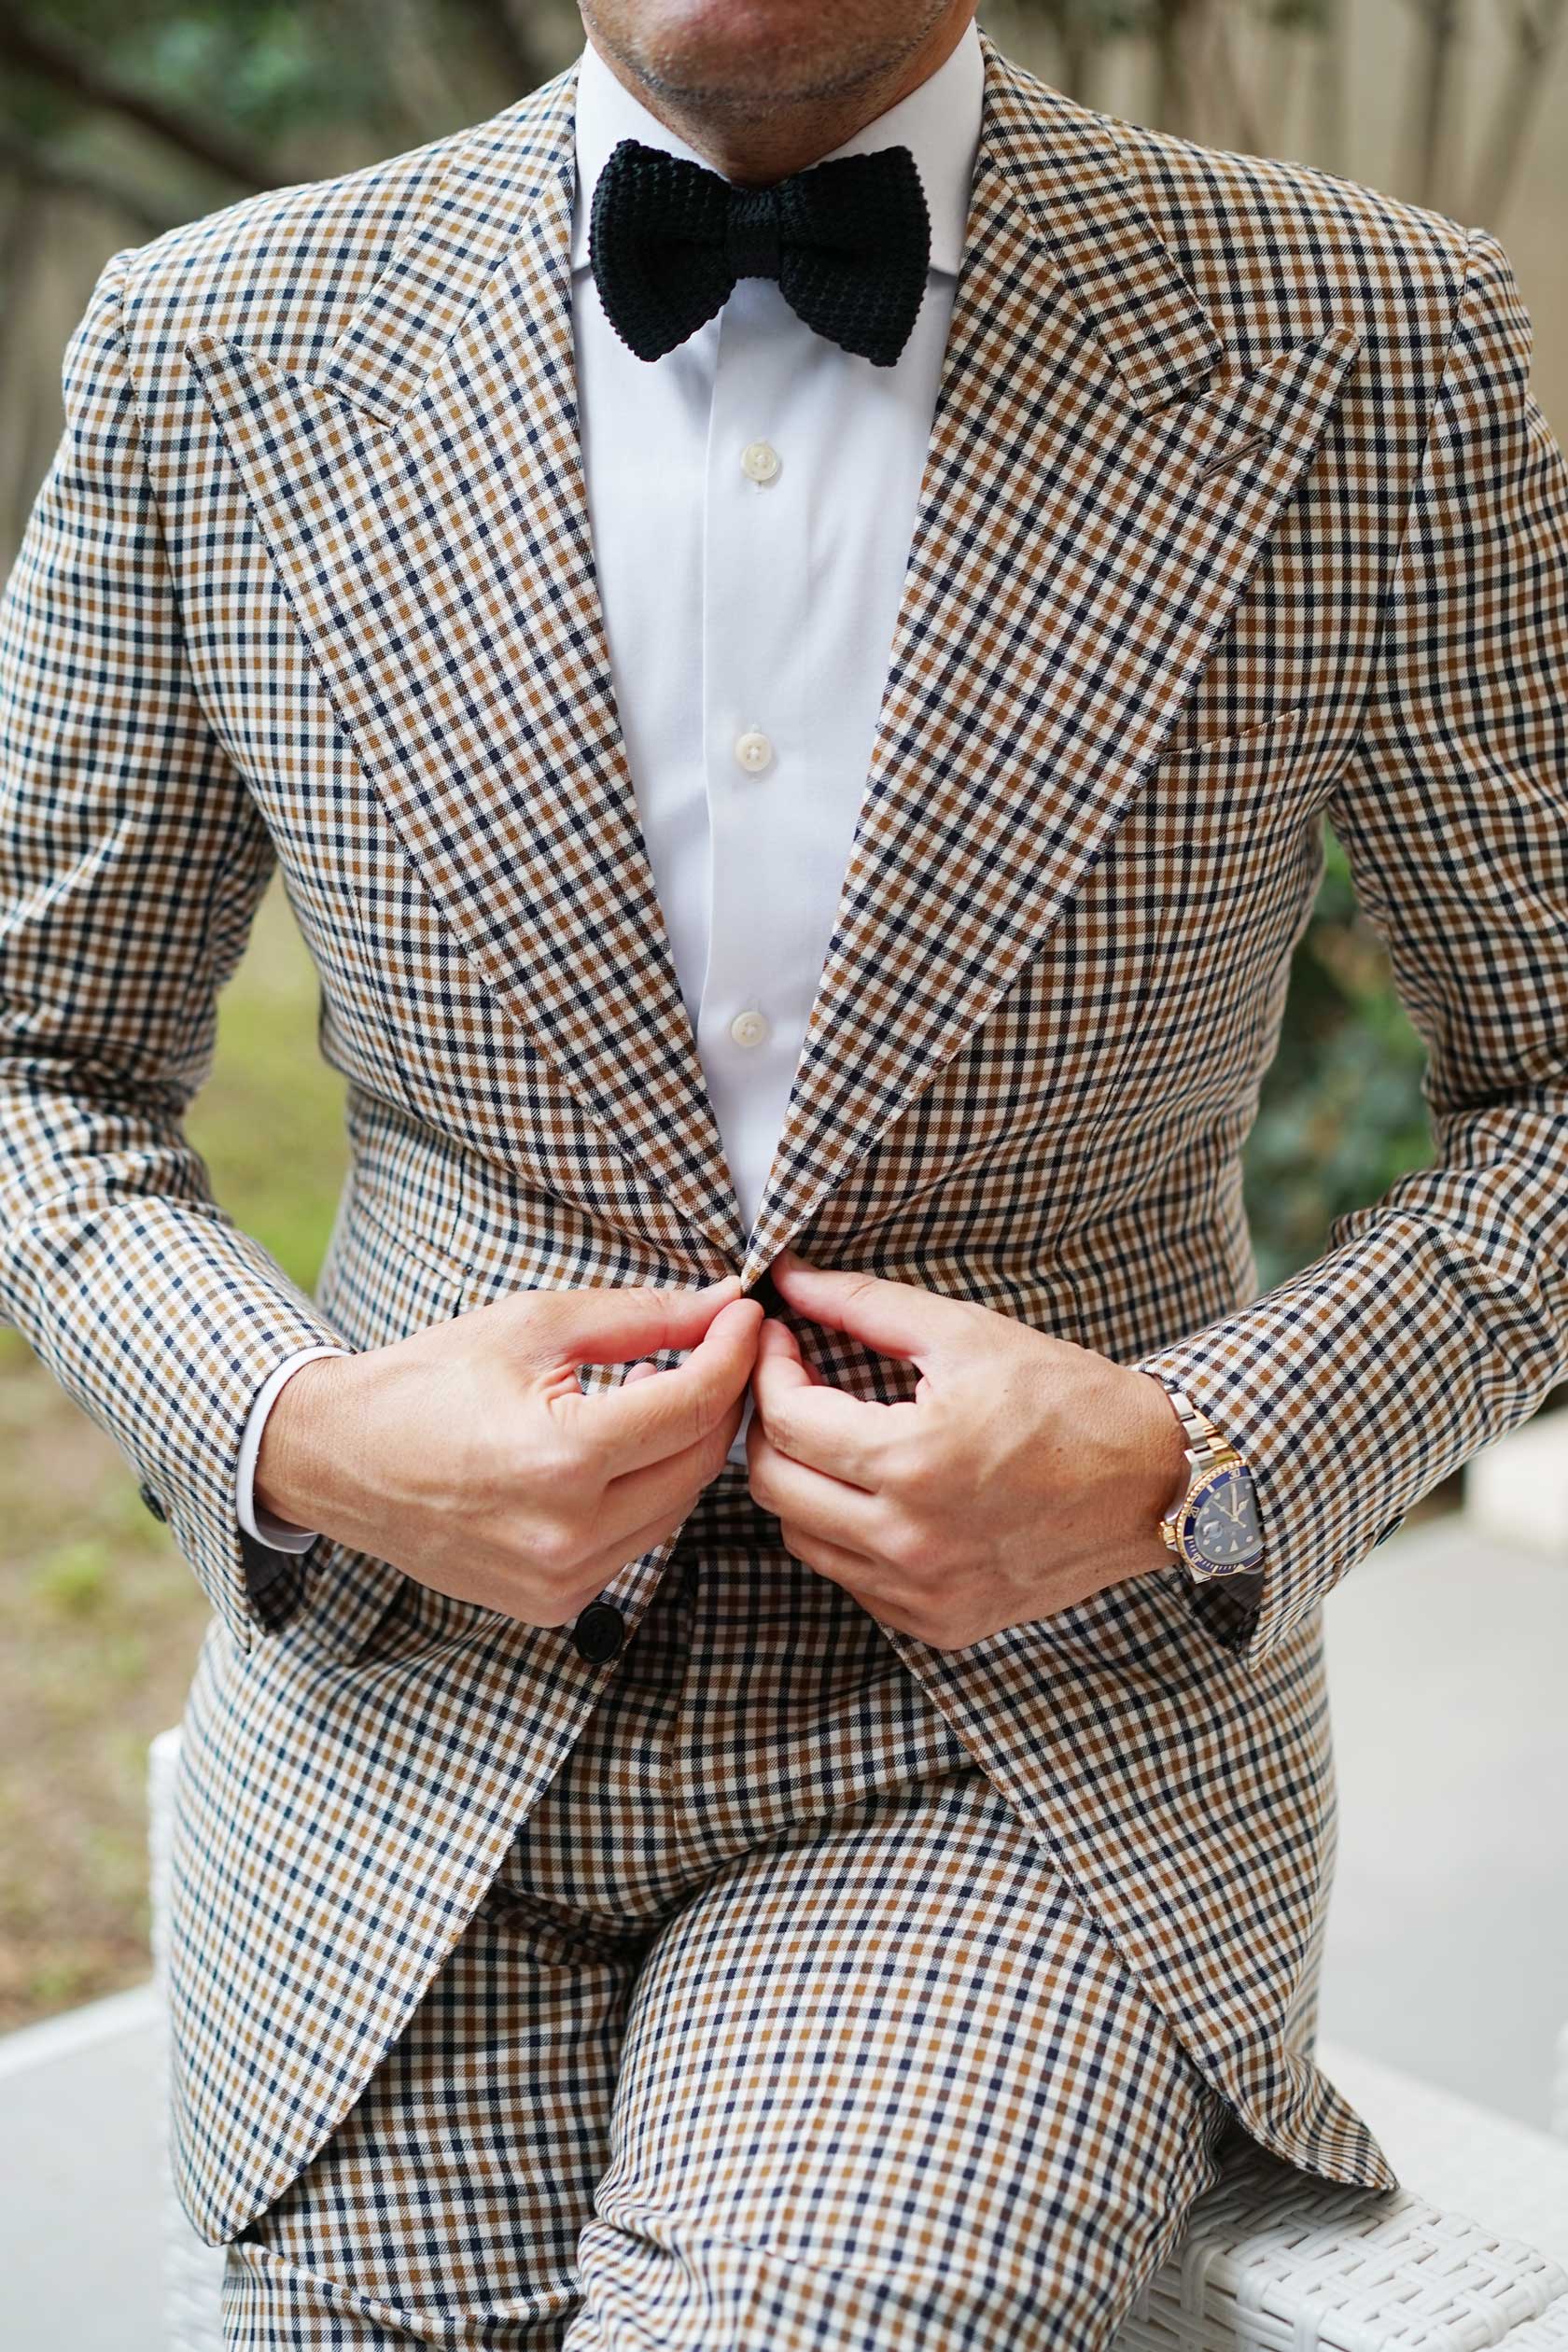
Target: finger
x=662, y=1495
x=649, y=1419
x=608, y=1564
x=812, y=1422
x=868, y=1581
x=778, y=1358
x=666, y=1489
x=818, y=1503
x=895, y=1318
x=612, y=1324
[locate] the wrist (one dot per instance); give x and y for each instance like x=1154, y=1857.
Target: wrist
x=295, y=1464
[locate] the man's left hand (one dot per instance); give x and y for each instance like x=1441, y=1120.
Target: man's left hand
x=1025, y=1474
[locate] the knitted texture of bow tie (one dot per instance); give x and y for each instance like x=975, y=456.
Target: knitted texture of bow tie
x=848, y=241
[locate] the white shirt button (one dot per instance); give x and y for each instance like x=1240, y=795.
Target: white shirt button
x=759, y=461
x=753, y=750
x=748, y=1029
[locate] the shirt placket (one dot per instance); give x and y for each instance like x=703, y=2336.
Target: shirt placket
x=754, y=555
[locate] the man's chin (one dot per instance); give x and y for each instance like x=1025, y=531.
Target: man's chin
x=739, y=60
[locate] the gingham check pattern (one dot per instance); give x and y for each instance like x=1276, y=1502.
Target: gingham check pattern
x=770, y=2030
x=1238, y=511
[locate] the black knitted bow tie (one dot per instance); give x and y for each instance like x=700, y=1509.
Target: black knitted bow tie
x=848, y=241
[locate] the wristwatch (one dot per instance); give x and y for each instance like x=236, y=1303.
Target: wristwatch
x=1214, y=1528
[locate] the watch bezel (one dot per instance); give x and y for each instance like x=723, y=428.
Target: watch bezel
x=1197, y=1495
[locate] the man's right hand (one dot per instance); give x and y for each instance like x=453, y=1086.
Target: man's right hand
x=468, y=1455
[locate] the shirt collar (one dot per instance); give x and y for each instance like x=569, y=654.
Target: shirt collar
x=938, y=121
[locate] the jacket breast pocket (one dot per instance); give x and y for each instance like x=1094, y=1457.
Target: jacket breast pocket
x=1203, y=893
x=1194, y=730
x=1233, y=793
x=1224, y=845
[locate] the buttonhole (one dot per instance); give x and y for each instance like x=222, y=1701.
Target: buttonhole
x=1233, y=456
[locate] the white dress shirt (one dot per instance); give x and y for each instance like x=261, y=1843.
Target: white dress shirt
x=752, y=497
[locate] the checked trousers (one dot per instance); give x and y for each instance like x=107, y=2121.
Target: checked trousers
x=774, y=2029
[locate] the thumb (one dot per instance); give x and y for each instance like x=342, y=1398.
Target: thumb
x=612, y=1325
x=897, y=1319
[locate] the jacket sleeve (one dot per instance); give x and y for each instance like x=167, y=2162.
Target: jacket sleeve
x=132, y=860
x=1437, y=1318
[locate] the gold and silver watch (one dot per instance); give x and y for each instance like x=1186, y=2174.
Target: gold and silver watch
x=1214, y=1528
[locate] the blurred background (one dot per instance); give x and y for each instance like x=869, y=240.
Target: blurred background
x=121, y=118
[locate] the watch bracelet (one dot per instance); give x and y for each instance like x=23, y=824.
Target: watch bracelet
x=1207, y=1448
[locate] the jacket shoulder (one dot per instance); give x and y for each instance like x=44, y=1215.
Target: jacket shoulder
x=1278, y=250
x=282, y=271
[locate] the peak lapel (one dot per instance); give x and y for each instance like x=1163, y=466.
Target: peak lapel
x=1088, y=515
x=423, y=501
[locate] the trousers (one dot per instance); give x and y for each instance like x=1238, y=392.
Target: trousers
x=774, y=2029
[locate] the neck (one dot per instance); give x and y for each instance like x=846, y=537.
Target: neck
x=753, y=148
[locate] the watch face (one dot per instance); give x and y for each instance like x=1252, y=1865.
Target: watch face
x=1222, y=1523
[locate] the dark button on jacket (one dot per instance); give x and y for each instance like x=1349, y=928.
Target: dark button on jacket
x=152, y=1502
x=767, y=1290
x=599, y=1632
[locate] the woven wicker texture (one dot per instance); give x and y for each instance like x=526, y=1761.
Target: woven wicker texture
x=1274, y=2262
x=1506, y=2175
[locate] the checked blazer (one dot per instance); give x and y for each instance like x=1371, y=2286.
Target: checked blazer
x=1238, y=515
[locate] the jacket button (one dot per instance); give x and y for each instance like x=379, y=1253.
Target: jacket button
x=152, y=1502
x=1397, y=1521
x=767, y=1290
x=598, y=1632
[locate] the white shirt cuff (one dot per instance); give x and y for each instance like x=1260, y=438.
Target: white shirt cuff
x=276, y=1533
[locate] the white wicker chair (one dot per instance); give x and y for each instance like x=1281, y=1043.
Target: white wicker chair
x=1272, y=2261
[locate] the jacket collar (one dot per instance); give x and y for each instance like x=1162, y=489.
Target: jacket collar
x=1047, y=161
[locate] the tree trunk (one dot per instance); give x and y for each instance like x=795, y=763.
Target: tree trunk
x=1431, y=88
x=1177, y=24
x=1328, y=86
